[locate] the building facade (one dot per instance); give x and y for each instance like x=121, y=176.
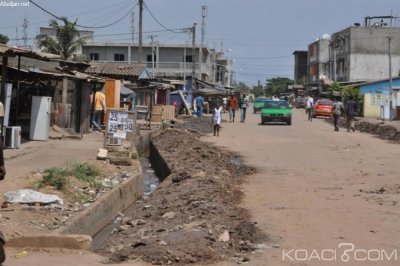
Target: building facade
x=162, y=60
x=318, y=63
x=361, y=53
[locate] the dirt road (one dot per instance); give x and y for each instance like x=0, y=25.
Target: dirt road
x=315, y=189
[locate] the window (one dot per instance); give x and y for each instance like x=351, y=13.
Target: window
x=189, y=59
x=119, y=57
x=149, y=59
x=94, y=56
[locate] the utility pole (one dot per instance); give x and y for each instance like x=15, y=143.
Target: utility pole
x=152, y=53
x=193, y=53
x=203, y=32
x=184, y=67
x=140, y=31
x=16, y=37
x=25, y=32
x=130, y=44
x=390, y=81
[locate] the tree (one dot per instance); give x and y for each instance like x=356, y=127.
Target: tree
x=66, y=42
x=278, y=85
x=258, y=90
x=3, y=39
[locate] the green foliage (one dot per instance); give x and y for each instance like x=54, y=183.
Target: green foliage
x=66, y=41
x=241, y=87
x=276, y=86
x=85, y=172
x=55, y=177
x=258, y=90
x=58, y=177
x=4, y=39
x=354, y=92
x=334, y=89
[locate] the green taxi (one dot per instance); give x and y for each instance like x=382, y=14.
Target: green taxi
x=259, y=103
x=276, y=111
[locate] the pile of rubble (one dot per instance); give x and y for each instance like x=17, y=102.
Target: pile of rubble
x=194, y=216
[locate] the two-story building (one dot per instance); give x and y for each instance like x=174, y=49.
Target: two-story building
x=361, y=53
x=163, y=60
x=318, y=63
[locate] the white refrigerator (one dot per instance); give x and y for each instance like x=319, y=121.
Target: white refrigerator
x=40, y=118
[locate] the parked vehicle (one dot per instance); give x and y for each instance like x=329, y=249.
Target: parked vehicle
x=323, y=108
x=301, y=102
x=276, y=111
x=259, y=103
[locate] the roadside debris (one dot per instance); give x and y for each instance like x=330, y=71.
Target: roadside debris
x=29, y=196
x=194, y=216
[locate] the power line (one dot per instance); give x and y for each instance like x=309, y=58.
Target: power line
x=82, y=26
x=159, y=23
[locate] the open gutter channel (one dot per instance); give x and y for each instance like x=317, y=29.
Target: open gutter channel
x=154, y=170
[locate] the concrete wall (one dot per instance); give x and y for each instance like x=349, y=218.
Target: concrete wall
x=369, y=109
x=103, y=211
x=362, y=53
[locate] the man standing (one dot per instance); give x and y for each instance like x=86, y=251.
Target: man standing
x=350, y=112
x=2, y=175
x=310, y=106
x=232, y=106
x=99, y=109
x=243, y=107
x=199, y=106
x=337, y=111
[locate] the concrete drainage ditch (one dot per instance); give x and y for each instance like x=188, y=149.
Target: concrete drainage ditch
x=88, y=229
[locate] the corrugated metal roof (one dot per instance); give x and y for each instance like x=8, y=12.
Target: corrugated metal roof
x=131, y=70
x=13, y=51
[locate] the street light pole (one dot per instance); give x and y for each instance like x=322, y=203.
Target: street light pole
x=390, y=81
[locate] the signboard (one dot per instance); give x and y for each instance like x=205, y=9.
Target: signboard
x=119, y=121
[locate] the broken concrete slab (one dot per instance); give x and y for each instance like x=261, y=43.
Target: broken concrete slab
x=102, y=154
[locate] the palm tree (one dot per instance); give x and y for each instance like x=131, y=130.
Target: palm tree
x=66, y=41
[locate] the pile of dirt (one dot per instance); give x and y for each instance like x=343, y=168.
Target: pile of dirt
x=194, y=216
x=200, y=125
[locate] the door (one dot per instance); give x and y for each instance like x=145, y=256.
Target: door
x=40, y=118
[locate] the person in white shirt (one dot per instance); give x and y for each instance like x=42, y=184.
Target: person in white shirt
x=217, y=119
x=310, y=106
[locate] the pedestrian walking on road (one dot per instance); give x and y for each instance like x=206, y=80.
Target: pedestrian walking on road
x=232, y=106
x=350, y=113
x=99, y=109
x=217, y=119
x=337, y=112
x=199, y=105
x=310, y=107
x=243, y=107
x=2, y=175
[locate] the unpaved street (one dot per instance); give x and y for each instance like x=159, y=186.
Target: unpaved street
x=315, y=189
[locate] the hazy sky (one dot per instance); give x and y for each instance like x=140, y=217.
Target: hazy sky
x=260, y=35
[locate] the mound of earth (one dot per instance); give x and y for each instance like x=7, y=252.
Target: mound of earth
x=194, y=216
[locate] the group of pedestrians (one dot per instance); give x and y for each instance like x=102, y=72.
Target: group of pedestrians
x=339, y=109
x=232, y=105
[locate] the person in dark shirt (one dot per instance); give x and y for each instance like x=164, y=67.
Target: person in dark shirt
x=350, y=113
